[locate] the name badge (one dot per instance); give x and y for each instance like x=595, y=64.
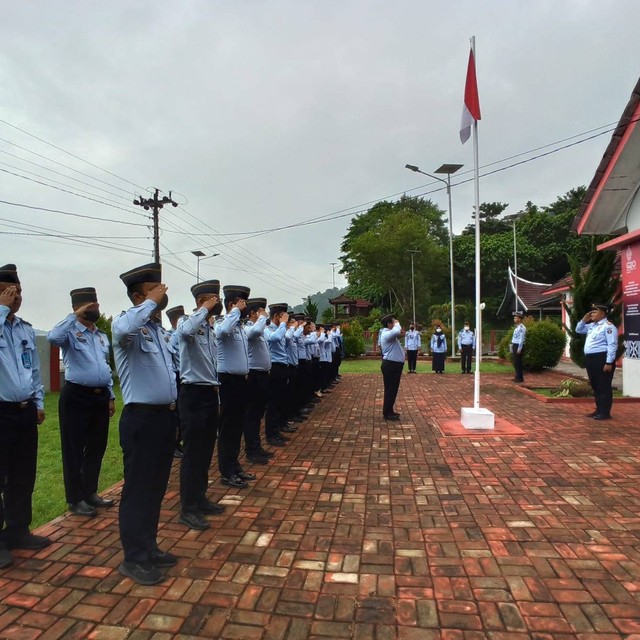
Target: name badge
x=26, y=359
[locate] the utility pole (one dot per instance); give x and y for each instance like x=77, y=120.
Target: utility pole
x=413, y=287
x=155, y=203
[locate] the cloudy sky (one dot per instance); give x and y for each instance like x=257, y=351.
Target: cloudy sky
x=265, y=114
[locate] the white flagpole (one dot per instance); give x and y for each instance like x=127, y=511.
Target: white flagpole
x=476, y=184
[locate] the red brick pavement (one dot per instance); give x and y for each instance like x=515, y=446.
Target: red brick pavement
x=371, y=530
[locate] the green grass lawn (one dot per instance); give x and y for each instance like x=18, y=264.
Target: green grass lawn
x=48, y=498
x=372, y=365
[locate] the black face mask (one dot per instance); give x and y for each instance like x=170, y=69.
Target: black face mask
x=164, y=302
x=411, y=328
x=217, y=309
x=92, y=315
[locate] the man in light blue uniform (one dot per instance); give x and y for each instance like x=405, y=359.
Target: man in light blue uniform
x=86, y=401
x=412, y=341
x=292, y=336
x=144, y=361
x=21, y=411
x=259, y=376
x=600, y=350
x=198, y=404
x=233, y=372
x=517, y=345
x=392, y=364
x=466, y=345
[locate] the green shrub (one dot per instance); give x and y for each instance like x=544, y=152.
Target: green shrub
x=544, y=345
x=353, y=339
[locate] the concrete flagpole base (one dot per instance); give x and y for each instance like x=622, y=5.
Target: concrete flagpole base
x=479, y=418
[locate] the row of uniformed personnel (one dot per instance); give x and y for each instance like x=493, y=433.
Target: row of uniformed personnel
x=227, y=374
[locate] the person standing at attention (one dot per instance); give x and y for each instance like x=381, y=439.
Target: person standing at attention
x=466, y=345
x=517, y=345
x=392, y=364
x=438, y=350
x=412, y=343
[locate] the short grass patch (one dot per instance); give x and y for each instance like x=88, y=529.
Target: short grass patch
x=372, y=365
x=48, y=498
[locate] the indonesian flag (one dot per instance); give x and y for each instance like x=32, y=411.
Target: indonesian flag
x=471, y=108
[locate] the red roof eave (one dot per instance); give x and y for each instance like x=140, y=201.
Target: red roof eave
x=620, y=241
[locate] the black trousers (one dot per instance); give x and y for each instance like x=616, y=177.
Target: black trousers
x=199, y=416
x=277, y=404
x=84, y=430
x=292, y=382
x=18, y=455
x=391, y=374
x=233, y=404
x=336, y=361
x=256, y=403
x=315, y=375
x=412, y=359
x=466, y=355
x=148, y=440
x=177, y=415
x=302, y=383
x=600, y=381
x=517, y=362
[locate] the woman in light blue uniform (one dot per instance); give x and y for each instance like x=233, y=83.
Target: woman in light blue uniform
x=438, y=350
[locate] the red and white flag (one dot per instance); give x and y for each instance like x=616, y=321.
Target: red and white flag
x=471, y=108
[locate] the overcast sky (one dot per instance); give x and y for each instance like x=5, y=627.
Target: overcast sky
x=261, y=114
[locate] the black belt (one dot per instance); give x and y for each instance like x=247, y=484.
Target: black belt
x=151, y=407
x=195, y=385
x=86, y=389
x=16, y=405
x=278, y=364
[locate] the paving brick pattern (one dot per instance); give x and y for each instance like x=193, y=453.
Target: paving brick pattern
x=373, y=531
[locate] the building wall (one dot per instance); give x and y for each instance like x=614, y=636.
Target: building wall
x=633, y=216
x=631, y=377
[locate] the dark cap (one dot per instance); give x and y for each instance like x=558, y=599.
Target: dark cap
x=327, y=327
x=299, y=317
x=518, y=314
x=9, y=273
x=207, y=286
x=601, y=307
x=175, y=311
x=309, y=319
x=385, y=320
x=278, y=307
x=236, y=291
x=83, y=296
x=253, y=304
x=151, y=272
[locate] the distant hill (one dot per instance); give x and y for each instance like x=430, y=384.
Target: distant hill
x=321, y=299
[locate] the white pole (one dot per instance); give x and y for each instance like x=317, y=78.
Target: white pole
x=476, y=184
x=453, y=302
x=413, y=292
x=515, y=262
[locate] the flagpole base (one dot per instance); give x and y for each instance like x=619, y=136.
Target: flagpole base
x=473, y=418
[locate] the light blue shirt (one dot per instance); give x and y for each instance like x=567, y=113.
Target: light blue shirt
x=276, y=336
x=19, y=361
x=85, y=353
x=601, y=336
x=390, y=344
x=292, y=336
x=466, y=337
x=412, y=340
x=258, y=351
x=324, y=343
x=233, y=351
x=198, y=346
x=310, y=341
x=519, y=336
x=144, y=357
x=434, y=343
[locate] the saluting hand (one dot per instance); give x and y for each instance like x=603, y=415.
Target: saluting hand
x=241, y=304
x=587, y=317
x=284, y=317
x=210, y=303
x=156, y=294
x=80, y=311
x=8, y=296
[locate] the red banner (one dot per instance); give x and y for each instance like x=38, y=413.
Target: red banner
x=630, y=259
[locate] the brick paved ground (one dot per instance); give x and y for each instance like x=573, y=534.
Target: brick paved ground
x=371, y=530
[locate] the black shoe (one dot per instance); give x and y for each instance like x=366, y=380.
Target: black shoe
x=298, y=419
x=99, y=502
x=193, y=520
x=395, y=413
x=601, y=416
x=392, y=416
x=178, y=453
x=145, y=574
x=266, y=454
x=277, y=441
x=83, y=509
x=209, y=507
x=593, y=414
x=246, y=475
x=28, y=541
x=5, y=557
x=288, y=429
x=234, y=481
x=162, y=559
x=256, y=459
x=305, y=411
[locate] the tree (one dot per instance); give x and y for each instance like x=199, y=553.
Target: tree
x=311, y=309
x=595, y=283
x=376, y=261
x=327, y=315
x=104, y=324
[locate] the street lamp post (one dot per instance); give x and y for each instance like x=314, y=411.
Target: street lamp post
x=447, y=169
x=201, y=255
x=413, y=288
